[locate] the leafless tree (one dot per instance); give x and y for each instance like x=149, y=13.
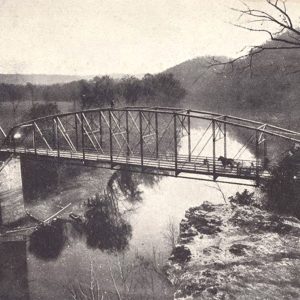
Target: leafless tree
x=171, y=232
x=275, y=21
x=219, y=189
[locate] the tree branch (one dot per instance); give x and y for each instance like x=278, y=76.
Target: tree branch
x=285, y=36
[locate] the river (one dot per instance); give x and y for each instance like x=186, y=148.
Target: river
x=144, y=217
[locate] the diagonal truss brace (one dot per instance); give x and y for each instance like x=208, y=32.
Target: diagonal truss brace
x=139, y=131
x=261, y=137
x=86, y=132
x=65, y=134
x=41, y=134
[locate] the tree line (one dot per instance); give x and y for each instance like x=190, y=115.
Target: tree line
x=160, y=89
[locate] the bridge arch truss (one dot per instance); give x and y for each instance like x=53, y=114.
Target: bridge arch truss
x=150, y=139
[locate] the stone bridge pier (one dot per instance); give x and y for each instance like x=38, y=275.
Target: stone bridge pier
x=11, y=190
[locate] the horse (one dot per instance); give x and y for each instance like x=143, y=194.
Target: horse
x=226, y=162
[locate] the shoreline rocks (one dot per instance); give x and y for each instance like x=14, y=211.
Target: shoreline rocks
x=236, y=252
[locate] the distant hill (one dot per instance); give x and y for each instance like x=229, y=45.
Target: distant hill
x=45, y=79
x=273, y=88
x=39, y=79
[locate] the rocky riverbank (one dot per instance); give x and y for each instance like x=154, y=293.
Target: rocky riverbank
x=236, y=252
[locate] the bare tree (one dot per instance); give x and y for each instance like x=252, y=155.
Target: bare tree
x=275, y=21
x=171, y=232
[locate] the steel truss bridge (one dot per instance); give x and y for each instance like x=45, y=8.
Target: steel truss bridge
x=158, y=140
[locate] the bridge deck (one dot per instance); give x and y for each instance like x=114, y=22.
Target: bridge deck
x=164, y=163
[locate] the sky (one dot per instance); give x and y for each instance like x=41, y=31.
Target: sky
x=89, y=37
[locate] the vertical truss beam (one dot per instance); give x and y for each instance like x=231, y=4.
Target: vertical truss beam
x=33, y=138
x=189, y=135
x=214, y=149
x=175, y=143
x=76, y=132
x=156, y=136
x=109, y=125
x=56, y=136
x=141, y=139
x=139, y=129
x=127, y=134
x=82, y=136
x=100, y=130
x=117, y=123
x=257, y=156
x=225, y=138
x=110, y=138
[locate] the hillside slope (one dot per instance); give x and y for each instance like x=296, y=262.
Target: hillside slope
x=271, y=91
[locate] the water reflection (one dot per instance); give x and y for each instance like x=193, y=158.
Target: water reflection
x=101, y=225
x=48, y=240
x=126, y=184
x=104, y=226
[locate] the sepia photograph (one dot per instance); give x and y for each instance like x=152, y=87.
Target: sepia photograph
x=149, y=150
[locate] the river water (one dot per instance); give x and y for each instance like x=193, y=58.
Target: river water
x=138, y=228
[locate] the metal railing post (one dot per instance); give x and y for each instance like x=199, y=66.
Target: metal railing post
x=189, y=136
x=175, y=143
x=76, y=133
x=100, y=130
x=82, y=137
x=127, y=134
x=110, y=139
x=156, y=135
x=141, y=139
x=257, y=156
x=34, y=138
x=214, y=149
x=225, y=138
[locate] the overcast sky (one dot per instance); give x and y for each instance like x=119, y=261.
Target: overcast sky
x=89, y=37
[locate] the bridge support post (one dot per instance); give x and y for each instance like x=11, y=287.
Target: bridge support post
x=76, y=132
x=225, y=138
x=156, y=135
x=189, y=136
x=141, y=139
x=56, y=132
x=265, y=154
x=257, y=156
x=127, y=135
x=11, y=192
x=82, y=137
x=34, y=138
x=175, y=144
x=100, y=130
x=110, y=139
x=214, y=149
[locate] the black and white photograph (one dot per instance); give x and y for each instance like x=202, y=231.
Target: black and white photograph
x=149, y=150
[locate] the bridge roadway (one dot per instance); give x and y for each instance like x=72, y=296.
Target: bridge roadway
x=201, y=165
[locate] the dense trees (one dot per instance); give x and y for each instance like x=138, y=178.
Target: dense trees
x=41, y=110
x=161, y=89
x=283, y=188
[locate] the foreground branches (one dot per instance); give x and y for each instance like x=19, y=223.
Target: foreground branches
x=275, y=21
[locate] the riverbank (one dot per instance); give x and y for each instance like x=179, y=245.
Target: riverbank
x=236, y=252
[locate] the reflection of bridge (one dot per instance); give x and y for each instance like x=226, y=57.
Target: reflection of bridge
x=152, y=140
